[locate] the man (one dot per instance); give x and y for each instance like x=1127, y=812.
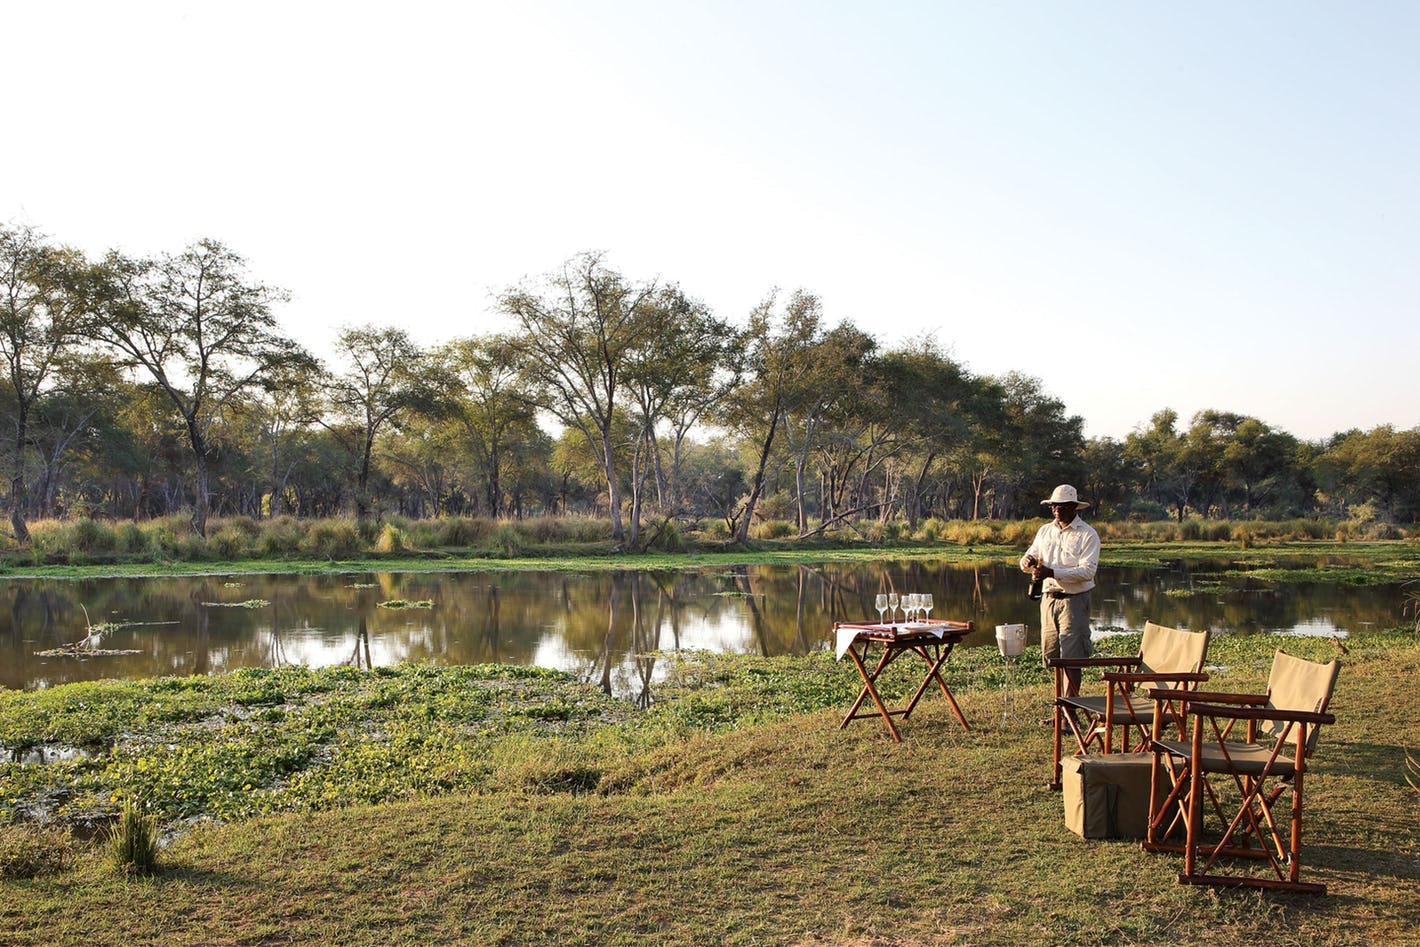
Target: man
x=1065, y=556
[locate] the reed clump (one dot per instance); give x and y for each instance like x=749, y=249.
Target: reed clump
x=133, y=841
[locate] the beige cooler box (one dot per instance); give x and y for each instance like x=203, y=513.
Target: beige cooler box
x=1107, y=796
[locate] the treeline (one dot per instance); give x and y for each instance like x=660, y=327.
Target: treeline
x=139, y=388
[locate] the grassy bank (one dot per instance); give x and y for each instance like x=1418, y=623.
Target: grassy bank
x=285, y=544
x=505, y=806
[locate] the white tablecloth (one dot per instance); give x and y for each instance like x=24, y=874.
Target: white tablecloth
x=849, y=634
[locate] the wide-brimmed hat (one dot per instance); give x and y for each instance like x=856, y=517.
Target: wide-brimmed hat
x=1066, y=494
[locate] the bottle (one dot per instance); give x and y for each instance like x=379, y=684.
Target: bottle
x=1035, y=591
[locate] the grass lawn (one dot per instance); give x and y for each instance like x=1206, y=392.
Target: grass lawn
x=731, y=814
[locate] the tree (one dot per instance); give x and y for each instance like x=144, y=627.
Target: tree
x=42, y=310
x=204, y=333
x=576, y=331
x=683, y=364
x=1046, y=444
x=827, y=389
x=284, y=411
x=939, y=409
x=490, y=406
x=1262, y=460
x=383, y=377
x=1170, y=469
x=778, y=360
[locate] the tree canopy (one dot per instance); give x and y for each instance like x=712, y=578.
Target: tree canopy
x=147, y=387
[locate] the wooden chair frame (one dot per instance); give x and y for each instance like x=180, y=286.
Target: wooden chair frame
x=1260, y=775
x=1092, y=721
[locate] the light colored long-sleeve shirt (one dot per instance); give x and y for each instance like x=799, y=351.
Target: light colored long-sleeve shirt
x=1073, y=552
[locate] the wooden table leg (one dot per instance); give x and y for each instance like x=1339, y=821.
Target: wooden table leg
x=934, y=673
x=869, y=689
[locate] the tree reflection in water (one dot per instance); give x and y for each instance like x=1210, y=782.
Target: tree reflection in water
x=606, y=628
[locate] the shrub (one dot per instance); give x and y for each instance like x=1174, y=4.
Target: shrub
x=243, y=526
x=191, y=548
x=969, y=532
x=129, y=538
x=1018, y=532
x=930, y=530
x=773, y=529
x=162, y=538
x=589, y=529
x=508, y=541
x=460, y=531
x=391, y=540
x=333, y=539
x=228, y=543
x=279, y=536
x=669, y=538
x=88, y=535
x=544, y=529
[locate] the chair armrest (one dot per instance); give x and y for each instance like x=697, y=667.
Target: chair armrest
x=1261, y=713
x=1092, y=662
x=1214, y=697
x=1130, y=677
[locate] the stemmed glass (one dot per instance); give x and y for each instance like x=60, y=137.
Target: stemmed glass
x=892, y=604
x=881, y=603
x=909, y=605
x=926, y=602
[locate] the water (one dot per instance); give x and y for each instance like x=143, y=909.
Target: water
x=600, y=626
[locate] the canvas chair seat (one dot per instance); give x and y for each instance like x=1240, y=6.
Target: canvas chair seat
x=1247, y=758
x=1168, y=657
x=1126, y=710
x=1252, y=772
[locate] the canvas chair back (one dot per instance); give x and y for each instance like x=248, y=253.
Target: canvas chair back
x=1298, y=684
x=1166, y=650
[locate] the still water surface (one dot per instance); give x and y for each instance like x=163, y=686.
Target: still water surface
x=603, y=627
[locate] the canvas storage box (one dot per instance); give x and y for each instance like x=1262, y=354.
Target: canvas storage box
x=1107, y=796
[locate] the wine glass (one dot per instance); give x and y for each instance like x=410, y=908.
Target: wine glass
x=881, y=603
x=892, y=604
x=909, y=605
x=926, y=602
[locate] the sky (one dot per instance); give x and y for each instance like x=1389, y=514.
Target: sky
x=1212, y=205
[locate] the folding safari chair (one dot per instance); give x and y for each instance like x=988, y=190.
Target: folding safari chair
x=1281, y=732
x=1167, y=657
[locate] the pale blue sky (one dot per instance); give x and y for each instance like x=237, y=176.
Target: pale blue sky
x=1206, y=205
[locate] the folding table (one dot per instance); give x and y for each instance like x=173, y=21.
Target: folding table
x=931, y=641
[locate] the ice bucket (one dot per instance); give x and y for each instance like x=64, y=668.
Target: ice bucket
x=1011, y=640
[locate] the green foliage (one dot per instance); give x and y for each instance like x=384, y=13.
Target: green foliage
x=133, y=841
x=391, y=540
x=341, y=538
x=668, y=537
x=458, y=531
x=91, y=536
x=130, y=538
x=508, y=541
x=279, y=537
x=228, y=543
x=773, y=529
x=333, y=539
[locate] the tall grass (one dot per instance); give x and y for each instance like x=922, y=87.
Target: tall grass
x=171, y=539
x=133, y=841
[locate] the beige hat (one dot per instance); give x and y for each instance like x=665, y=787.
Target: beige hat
x=1066, y=494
